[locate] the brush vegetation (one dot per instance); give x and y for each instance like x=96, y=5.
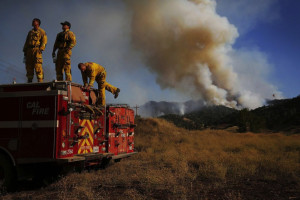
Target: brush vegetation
x=174, y=163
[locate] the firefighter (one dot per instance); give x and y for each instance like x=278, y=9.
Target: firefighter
x=93, y=71
x=65, y=41
x=34, y=45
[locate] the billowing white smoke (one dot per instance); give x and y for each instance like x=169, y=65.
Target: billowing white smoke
x=188, y=46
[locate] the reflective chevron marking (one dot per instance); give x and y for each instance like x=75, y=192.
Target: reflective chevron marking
x=86, y=145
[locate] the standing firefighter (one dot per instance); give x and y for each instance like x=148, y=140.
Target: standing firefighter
x=64, y=42
x=93, y=71
x=34, y=46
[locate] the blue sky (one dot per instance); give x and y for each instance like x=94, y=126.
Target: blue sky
x=268, y=29
x=280, y=40
x=275, y=32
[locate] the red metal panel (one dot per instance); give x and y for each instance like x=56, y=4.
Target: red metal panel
x=25, y=87
x=9, y=124
x=120, y=130
x=130, y=116
x=100, y=140
x=62, y=132
x=9, y=108
x=39, y=122
x=38, y=125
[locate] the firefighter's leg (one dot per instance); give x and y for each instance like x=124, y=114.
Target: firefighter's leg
x=112, y=89
x=29, y=65
x=38, y=67
x=59, y=66
x=67, y=65
x=67, y=69
x=101, y=90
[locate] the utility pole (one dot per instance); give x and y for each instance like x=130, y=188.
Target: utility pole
x=136, y=108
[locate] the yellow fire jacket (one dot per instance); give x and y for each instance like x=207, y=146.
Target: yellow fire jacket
x=65, y=40
x=36, y=39
x=93, y=71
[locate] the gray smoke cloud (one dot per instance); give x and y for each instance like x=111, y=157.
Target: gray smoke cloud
x=189, y=48
x=185, y=45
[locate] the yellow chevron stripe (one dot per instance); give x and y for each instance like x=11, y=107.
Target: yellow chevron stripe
x=84, y=131
x=82, y=122
x=82, y=151
x=90, y=125
x=91, y=131
x=87, y=142
x=91, y=138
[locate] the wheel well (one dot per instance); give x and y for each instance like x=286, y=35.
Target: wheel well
x=8, y=155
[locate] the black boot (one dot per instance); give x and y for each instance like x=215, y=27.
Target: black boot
x=117, y=93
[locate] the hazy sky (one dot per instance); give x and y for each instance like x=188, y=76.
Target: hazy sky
x=268, y=37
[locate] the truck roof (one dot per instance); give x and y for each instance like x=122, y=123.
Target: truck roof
x=45, y=86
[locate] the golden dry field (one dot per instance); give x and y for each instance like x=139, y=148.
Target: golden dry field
x=174, y=163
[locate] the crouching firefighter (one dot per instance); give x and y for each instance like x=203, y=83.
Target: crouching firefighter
x=34, y=46
x=94, y=71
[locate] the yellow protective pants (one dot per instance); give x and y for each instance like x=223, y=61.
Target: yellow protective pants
x=63, y=64
x=102, y=86
x=34, y=61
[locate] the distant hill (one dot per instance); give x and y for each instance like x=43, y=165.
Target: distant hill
x=278, y=115
x=281, y=115
x=208, y=116
x=155, y=109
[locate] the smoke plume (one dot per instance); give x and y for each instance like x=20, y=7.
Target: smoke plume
x=188, y=46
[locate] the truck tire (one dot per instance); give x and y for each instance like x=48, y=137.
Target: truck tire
x=8, y=178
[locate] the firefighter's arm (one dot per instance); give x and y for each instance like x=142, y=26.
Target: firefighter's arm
x=84, y=78
x=55, y=46
x=92, y=77
x=44, y=40
x=26, y=44
x=72, y=42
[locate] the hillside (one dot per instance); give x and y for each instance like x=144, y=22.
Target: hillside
x=155, y=109
x=279, y=115
x=206, y=117
x=174, y=163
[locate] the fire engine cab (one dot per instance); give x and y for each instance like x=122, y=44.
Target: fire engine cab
x=59, y=124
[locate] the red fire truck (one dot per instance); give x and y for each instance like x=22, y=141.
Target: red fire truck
x=58, y=124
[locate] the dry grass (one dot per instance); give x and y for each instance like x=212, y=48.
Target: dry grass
x=174, y=163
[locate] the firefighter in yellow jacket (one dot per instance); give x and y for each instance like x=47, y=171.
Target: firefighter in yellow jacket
x=34, y=46
x=64, y=42
x=93, y=71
